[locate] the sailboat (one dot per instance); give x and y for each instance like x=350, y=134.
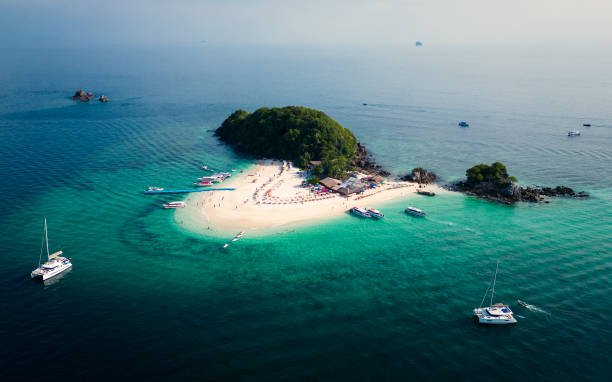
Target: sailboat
x=55, y=263
x=495, y=314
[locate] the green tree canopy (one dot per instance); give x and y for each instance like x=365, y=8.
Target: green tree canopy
x=495, y=173
x=294, y=133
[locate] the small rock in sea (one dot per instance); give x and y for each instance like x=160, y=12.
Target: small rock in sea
x=82, y=96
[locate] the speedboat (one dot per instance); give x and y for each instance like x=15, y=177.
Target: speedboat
x=573, y=133
x=426, y=193
x=175, y=205
x=203, y=183
x=103, y=98
x=463, y=124
x=212, y=179
x=155, y=188
x=376, y=214
x=361, y=212
x=414, y=211
x=495, y=314
x=54, y=265
x=586, y=124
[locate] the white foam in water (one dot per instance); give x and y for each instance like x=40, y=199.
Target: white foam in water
x=533, y=308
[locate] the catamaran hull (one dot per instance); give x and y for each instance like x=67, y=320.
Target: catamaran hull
x=484, y=319
x=46, y=276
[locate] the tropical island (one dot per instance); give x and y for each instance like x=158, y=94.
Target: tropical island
x=318, y=170
x=493, y=182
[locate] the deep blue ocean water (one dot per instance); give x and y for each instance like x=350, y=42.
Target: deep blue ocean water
x=345, y=299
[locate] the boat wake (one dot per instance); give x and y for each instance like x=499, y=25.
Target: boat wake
x=531, y=307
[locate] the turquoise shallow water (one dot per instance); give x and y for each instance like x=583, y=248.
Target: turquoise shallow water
x=344, y=299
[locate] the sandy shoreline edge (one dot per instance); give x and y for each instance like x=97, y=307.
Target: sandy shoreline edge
x=269, y=199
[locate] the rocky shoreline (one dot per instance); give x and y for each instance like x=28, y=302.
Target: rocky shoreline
x=365, y=163
x=514, y=193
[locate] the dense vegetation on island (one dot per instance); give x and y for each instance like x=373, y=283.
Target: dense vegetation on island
x=294, y=133
x=495, y=174
x=494, y=183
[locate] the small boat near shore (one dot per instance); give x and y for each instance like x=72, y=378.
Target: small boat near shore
x=495, y=314
x=175, y=205
x=360, y=212
x=204, y=183
x=414, y=211
x=586, y=124
x=374, y=213
x=573, y=133
x=426, y=193
x=54, y=265
x=151, y=188
x=463, y=124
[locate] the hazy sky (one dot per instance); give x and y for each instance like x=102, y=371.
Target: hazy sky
x=305, y=21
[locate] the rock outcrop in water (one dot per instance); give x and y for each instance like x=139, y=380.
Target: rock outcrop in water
x=82, y=96
x=492, y=182
x=420, y=175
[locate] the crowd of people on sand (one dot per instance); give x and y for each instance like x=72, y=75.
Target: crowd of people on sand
x=271, y=185
x=265, y=193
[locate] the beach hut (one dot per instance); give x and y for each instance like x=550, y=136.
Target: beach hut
x=348, y=189
x=330, y=183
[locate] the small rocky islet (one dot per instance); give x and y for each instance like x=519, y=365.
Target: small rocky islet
x=492, y=182
x=81, y=95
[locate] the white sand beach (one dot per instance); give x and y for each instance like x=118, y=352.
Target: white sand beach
x=269, y=196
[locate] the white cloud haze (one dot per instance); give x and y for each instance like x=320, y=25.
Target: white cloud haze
x=314, y=21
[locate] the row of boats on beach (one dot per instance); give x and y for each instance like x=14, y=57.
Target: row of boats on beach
x=208, y=181
x=205, y=181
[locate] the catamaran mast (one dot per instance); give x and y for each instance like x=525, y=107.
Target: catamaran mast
x=42, y=243
x=494, y=279
x=46, y=239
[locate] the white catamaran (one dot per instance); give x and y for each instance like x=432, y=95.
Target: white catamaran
x=55, y=263
x=495, y=314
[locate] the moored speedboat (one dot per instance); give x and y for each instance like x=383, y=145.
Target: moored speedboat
x=376, y=214
x=573, y=133
x=175, y=205
x=495, y=314
x=361, y=212
x=204, y=183
x=414, y=211
x=426, y=193
x=155, y=188
x=54, y=265
x=212, y=179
